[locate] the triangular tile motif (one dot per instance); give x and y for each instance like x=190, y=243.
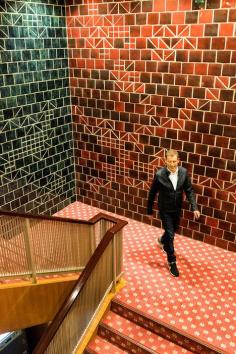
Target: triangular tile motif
x=134, y=138
x=212, y=94
x=146, y=99
x=230, y=187
x=204, y=181
x=170, y=31
x=3, y=33
x=149, y=110
x=158, y=55
x=139, y=88
x=124, y=8
x=191, y=103
x=217, y=184
x=128, y=87
x=113, y=9
x=177, y=43
x=164, y=43
x=183, y=31
x=178, y=124
x=155, y=121
x=166, y=122
x=155, y=161
x=153, y=43
x=169, y=55
x=221, y=82
x=204, y=105
x=190, y=43
x=232, y=197
x=3, y=7
x=158, y=31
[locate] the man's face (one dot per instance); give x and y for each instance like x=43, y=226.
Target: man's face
x=172, y=162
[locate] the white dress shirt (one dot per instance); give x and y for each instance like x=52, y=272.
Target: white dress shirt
x=174, y=178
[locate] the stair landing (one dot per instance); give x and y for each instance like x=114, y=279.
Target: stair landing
x=200, y=304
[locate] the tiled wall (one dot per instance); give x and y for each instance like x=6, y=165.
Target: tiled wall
x=36, y=164
x=147, y=76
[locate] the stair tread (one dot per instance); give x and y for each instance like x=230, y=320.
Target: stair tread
x=101, y=345
x=141, y=335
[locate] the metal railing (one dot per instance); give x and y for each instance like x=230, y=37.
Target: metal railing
x=33, y=245
x=100, y=275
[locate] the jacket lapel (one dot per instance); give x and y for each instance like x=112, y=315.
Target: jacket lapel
x=181, y=177
x=167, y=174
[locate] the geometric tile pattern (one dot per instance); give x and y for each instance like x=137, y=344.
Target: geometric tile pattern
x=36, y=164
x=147, y=76
x=200, y=303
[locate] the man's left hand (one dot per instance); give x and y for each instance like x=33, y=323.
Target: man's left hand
x=196, y=214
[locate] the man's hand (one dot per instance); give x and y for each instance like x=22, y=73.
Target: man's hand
x=196, y=214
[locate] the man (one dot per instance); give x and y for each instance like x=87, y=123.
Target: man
x=170, y=182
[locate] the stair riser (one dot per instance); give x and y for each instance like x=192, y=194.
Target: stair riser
x=89, y=351
x=157, y=328
x=122, y=341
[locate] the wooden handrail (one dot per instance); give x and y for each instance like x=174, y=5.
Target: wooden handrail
x=91, y=221
x=53, y=327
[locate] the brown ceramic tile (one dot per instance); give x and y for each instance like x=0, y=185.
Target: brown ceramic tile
x=232, y=15
x=221, y=15
x=213, y=4
x=165, y=18
x=182, y=55
x=209, y=56
x=214, y=151
x=204, y=43
x=147, y=6
x=199, y=92
x=168, y=79
x=176, y=68
x=197, y=95
x=173, y=90
x=218, y=43
x=191, y=17
x=224, y=56
x=211, y=30
x=157, y=78
x=141, y=19
x=215, y=69
x=229, y=70
x=226, y=95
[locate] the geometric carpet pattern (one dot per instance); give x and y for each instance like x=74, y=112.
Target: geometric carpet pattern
x=201, y=303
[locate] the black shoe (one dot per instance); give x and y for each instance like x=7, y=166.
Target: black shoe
x=173, y=269
x=160, y=244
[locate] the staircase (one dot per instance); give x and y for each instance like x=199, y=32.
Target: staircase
x=126, y=330
x=157, y=313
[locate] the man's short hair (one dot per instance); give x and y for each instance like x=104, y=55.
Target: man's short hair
x=172, y=152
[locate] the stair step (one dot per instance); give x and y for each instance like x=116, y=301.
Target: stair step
x=101, y=345
x=160, y=328
x=135, y=338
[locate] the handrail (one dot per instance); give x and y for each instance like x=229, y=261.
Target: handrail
x=91, y=221
x=53, y=327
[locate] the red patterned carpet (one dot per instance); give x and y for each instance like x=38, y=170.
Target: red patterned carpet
x=201, y=302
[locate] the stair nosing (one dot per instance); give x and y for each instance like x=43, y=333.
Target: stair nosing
x=133, y=341
x=168, y=326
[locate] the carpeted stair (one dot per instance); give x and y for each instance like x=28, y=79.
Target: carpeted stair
x=127, y=330
x=195, y=311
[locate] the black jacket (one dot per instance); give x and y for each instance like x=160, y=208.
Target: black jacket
x=170, y=200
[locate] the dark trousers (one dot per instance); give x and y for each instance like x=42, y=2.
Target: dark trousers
x=170, y=223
